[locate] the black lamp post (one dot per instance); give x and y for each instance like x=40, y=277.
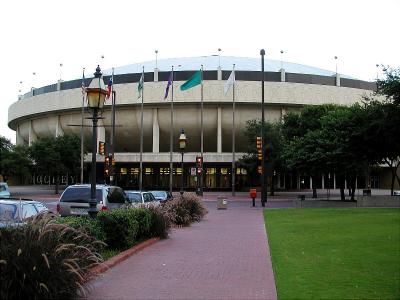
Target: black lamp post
x=96, y=93
x=182, y=146
x=263, y=181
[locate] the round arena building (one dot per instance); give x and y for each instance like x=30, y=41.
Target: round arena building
x=57, y=109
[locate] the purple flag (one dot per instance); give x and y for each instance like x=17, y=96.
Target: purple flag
x=168, y=85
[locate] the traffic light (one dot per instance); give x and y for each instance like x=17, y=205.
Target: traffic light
x=102, y=147
x=199, y=165
x=107, y=165
x=259, y=169
x=259, y=147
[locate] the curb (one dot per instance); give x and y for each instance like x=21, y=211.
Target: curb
x=101, y=268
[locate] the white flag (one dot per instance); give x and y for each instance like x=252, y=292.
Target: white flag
x=229, y=82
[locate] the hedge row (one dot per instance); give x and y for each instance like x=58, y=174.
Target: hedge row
x=52, y=258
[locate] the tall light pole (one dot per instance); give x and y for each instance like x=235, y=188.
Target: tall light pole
x=182, y=146
x=263, y=188
x=96, y=94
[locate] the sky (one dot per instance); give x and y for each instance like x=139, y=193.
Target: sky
x=38, y=36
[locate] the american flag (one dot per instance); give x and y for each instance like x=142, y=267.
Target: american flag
x=83, y=82
x=109, y=88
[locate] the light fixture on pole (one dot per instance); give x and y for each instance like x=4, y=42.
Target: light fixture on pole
x=263, y=181
x=182, y=146
x=96, y=93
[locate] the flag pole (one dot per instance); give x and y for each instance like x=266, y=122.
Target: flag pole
x=202, y=132
x=141, y=137
x=83, y=110
x=112, y=138
x=233, y=133
x=171, y=135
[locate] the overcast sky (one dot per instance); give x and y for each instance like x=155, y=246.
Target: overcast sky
x=39, y=35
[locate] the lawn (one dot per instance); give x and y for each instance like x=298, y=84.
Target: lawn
x=335, y=253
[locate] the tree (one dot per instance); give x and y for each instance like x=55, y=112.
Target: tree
x=390, y=86
x=56, y=156
x=5, y=148
x=273, y=138
x=17, y=163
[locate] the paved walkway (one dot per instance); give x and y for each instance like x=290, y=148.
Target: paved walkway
x=225, y=256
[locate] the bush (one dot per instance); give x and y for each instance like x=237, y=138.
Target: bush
x=89, y=225
x=160, y=223
x=45, y=260
x=185, y=210
x=119, y=227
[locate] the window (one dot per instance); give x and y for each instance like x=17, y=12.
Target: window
x=79, y=195
x=135, y=197
x=147, y=197
x=40, y=207
x=28, y=210
x=115, y=195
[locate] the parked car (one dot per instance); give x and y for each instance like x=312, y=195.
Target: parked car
x=15, y=212
x=162, y=196
x=4, y=190
x=138, y=198
x=75, y=199
x=396, y=193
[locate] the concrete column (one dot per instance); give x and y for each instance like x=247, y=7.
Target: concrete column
x=18, y=138
x=32, y=135
x=298, y=182
x=155, y=74
x=283, y=113
x=219, y=73
x=334, y=181
x=156, y=132
x=219, y=131
x=323, y=181
x=58, y=85
x=59, y=131
x=345, y=184
x=310, y=182
x=283, y=75
x=337, y=79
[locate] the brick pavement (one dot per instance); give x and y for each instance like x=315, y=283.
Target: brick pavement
x=225, y=256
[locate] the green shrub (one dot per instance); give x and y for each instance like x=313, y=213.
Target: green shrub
x=91, y=226
x=143, y=217
x=45, y=260
x=120, y=228
x=160, y=223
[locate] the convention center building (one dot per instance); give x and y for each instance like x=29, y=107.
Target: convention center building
x=56, y=109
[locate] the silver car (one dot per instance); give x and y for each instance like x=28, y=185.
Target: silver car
x=138, y=198
x=15, y=212
x=4, y=190
x=75, y=199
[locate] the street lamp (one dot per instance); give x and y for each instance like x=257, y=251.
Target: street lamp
x=95, y=93
x=182, y=146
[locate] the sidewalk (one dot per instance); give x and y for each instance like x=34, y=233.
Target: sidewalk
x=225, y=256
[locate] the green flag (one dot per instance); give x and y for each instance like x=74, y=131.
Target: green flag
x=140, y=86
x=192, y=81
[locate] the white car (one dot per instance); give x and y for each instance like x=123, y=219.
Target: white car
x=396, y=193
x=138, y=198
x=4, y=191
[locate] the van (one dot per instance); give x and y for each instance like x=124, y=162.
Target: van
x=74, y=201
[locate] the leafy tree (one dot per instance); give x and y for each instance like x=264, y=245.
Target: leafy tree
x=17, y=163
x=56, y=156
x=272, y=138
x=390, y=86
x=5, y=148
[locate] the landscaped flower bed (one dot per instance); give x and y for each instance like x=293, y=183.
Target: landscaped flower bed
x=53, y=258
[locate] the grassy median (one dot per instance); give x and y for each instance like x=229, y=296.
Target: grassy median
x=335, y=253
